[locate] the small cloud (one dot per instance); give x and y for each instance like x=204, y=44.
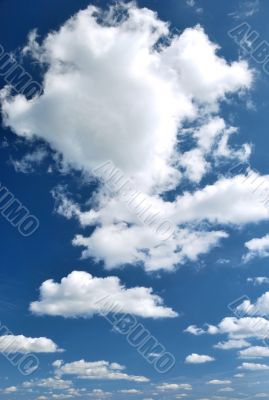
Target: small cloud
x=198, y=359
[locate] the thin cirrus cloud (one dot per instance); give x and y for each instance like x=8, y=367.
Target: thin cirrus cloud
x=82, y=295
x=90, y=97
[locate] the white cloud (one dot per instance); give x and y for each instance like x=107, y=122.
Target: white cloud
x=99, y=394
x=257, y=247
x=254, y=367
x=236, y=328
x=258, y=280
x=96, y=370
x=246, y=9
x=29, y=161
x=89, y=111
x=82, y=295
x=261, y=307
x=219, y=382
x=198, y=359
x=10, y=390
x=130, y=391
x=22, y=344
x=174, y=386
x=226, y=389
x=254, y=352
x=232, y=344
x=49, y=383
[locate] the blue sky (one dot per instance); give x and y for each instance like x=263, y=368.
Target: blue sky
x=160, y=95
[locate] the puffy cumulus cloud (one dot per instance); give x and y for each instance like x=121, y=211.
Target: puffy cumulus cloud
x=232, y=344
x=219, y=382
x=198, y=359
x=93, y=91
x=174, y=386
x=123, y=93
x=254, y=352
x=23, y=344
x=254, y=367
x=257, y=247
x=260, y=307
x=82, y=295
x=95, y=370
x=236, y=328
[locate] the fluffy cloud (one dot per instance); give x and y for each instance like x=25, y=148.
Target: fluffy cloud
x=254, y=352
x=198, y=359
x=174, y=386
x=82, y=295
x=219, y=382
x=95, y=370
x=236, y=328
x=119, y=90
x=254, y=367
x=22, y=344
x=261, y=307
x=257, y=247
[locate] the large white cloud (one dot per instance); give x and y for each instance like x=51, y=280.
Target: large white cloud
x=122, y=94
x=23, y=344
x=96, y=370
x=82, y=295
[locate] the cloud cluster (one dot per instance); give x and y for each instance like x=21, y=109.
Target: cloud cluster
x=125, y=93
